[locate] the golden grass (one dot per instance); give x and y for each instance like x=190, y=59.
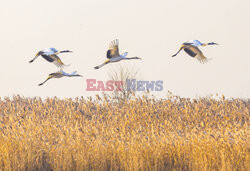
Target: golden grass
x=142, y=134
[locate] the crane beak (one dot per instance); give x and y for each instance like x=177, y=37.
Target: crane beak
x=212, y=43
x=187, y=43
x=68, y=51
x=65, y=51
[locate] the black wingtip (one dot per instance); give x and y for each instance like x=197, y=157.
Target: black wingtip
x=96, y=67
x=30, y=61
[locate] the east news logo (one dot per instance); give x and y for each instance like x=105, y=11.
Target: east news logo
x=129, y=85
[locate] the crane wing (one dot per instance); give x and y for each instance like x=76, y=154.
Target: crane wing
x=57, y=61
x=48, y=58
x=195, y=52
x=190, y=52
x=113, y=49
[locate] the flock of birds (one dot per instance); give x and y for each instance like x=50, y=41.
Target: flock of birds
x=113, y=55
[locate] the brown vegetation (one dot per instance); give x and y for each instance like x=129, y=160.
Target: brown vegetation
x=140, y=134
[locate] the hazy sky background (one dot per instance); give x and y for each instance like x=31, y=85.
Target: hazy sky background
x=153, y=30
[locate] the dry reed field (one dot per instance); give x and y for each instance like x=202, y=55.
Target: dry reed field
x=141, y=134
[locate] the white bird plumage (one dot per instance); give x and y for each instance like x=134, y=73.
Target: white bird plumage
x=51, y=55
x=195, y=42
x=191, y=48
x=113, y=54
x=50, y=51
x=61, y=74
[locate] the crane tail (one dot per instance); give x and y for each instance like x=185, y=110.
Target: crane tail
x=203, y=59
x=60, y=64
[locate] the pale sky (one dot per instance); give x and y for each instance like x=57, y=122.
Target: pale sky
x=152, y=30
